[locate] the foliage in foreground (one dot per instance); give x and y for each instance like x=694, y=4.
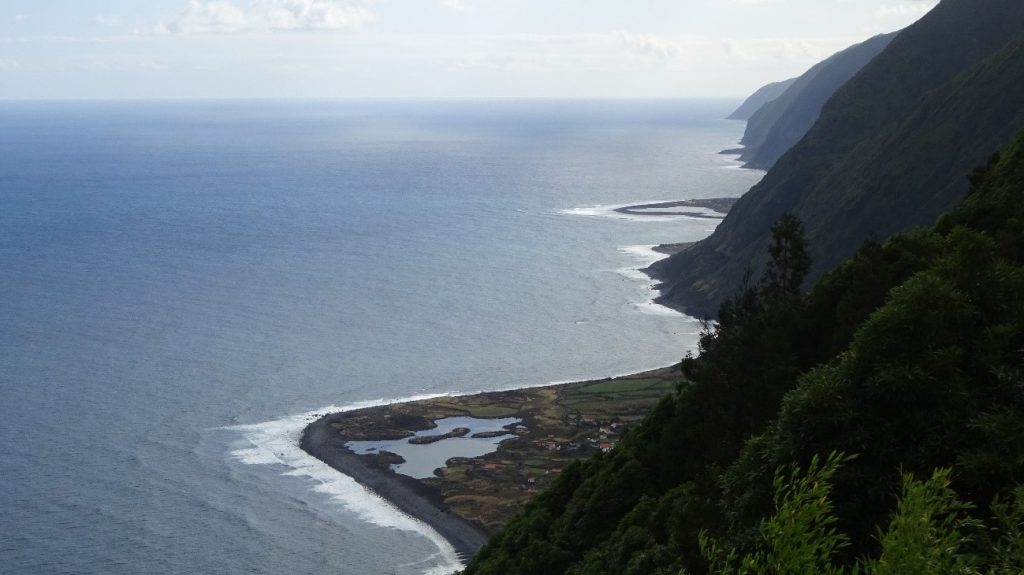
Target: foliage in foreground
x=930, y=532
x=910, y=355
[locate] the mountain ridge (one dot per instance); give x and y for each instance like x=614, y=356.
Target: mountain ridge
x=902, y=363
x=940, y=98
x=759, y=98
x=779, y=124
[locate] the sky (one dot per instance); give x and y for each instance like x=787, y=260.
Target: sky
x=335, y=49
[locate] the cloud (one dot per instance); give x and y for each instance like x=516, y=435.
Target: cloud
x=903, y=9
x=457, y=5
x=21, y=17
x=9, y=65
x=315, y=14
x=656, y=47
x=489, y=62
x=207, y=18
x=690, y=50
x=109, y=20
x=785, y=49
x=227, y=17
x=751, y=2
x=152, y=65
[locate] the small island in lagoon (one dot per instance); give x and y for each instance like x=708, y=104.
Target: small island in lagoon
x=465, y=499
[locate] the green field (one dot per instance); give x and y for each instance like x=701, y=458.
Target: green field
x=562, y=423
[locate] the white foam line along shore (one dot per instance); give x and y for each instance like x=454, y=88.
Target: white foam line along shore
x=646, y=255
x=277, y=443
x=609, y=211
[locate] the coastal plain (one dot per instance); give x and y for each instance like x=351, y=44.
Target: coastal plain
x=469, y=498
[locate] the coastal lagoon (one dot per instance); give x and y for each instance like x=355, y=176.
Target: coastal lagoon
x=420, y=461
x=185, y=286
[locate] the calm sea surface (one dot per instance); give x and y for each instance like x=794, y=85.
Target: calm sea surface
x=182, y=286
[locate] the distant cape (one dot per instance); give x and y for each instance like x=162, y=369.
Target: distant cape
x=891, y=149
x=759, y=98
x=778, y=124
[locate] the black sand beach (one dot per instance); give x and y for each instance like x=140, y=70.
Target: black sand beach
x=407, y=494
x=470, y=498
x=423, y=502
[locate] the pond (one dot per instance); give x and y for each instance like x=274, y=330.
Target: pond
x=422, y=459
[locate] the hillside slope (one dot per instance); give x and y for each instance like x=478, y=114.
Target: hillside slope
x=907, y=357
x=780, y=123
x=890, y=150
x=762, y=96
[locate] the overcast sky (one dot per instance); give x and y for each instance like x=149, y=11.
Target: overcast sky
x=424, y=48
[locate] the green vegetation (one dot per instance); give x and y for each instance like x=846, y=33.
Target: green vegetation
x=930, y=532
x=909, y=357
x=758, y=99
x=559, y=424
x=891, y=150
x=781, y=122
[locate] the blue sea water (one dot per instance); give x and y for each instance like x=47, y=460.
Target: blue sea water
x=184, y=285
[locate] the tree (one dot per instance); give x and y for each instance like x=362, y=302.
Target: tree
x=929, y=533
x=790, y=261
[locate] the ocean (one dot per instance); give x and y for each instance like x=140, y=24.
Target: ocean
x=184, y=284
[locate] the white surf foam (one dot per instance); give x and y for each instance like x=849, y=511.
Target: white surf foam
x=651, y=215
x=644, y=252
x=277, y=443
x=741, y=166
x=646, y=255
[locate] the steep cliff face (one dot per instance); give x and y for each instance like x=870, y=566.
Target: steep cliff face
x=780, y=123
x=906, y=357
x=759, y=98
x=890, y=150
